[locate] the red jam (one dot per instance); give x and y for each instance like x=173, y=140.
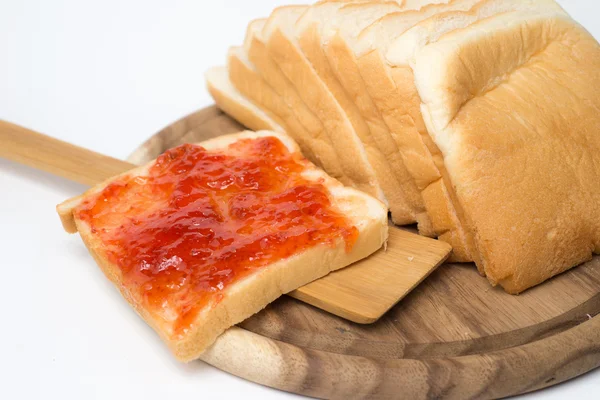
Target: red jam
x=201, y=220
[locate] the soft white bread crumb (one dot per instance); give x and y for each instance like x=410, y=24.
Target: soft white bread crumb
x=339, y=36
x=404, y=48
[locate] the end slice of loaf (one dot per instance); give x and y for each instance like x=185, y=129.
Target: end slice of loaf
x=242, y=298
x=512, y=103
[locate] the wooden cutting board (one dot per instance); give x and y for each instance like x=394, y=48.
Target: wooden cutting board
x=454, y=336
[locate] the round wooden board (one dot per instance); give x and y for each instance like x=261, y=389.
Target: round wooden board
x=454, y=336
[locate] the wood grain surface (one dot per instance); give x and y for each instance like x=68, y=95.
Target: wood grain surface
x=367, y=289
x=454, y=336
x=60, y=158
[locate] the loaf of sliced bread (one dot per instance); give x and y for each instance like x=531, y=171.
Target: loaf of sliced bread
x=207, y=235
x=433, y=178
x=452, y=112
x=512, y=103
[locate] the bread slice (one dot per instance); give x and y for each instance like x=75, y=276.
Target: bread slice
x=512, y=102
x=401, y=193
x=408, y=119
x=280, y=37
x=257, y=53
x=234, y=104
x=334, y=32
x=248, y=81
x=370, y=48
x=226, y=302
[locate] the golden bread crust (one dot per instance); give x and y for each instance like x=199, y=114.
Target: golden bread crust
x=513, y=106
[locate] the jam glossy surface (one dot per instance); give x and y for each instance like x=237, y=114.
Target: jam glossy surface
x=200, y=220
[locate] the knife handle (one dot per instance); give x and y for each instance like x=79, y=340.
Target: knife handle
x=59, y=158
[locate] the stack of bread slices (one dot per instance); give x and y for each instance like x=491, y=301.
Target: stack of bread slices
x=479, y=120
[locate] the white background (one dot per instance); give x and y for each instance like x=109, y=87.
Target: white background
x=106, y=75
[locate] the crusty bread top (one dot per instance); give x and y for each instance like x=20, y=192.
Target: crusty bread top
x=513, y=104
x=403, y=49
x=351, y=19
x=443, y=101
x=283, y=18
x=418, y=4
x=381, y=34
x=319, y=11
x=354, y=17
x=329, y=15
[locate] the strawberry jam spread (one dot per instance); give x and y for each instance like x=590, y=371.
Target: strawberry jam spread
x=200, y=220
